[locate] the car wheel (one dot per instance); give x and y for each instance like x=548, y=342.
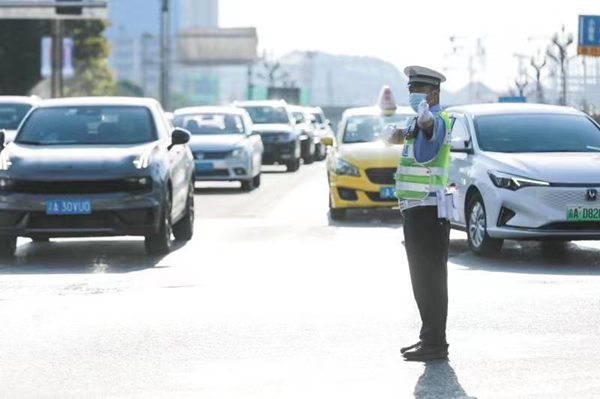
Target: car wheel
x=322, y=153
x=184, y=229
x=293, y=166
x=479, y=240
x=8, y=247
x=309, y=159
x=160, y=242
x=256, y=180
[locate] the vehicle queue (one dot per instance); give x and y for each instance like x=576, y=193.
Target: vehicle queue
x=87, y=167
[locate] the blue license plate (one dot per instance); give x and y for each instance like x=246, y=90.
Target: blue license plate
x=69, y=207
x=204, y=166
x=387, y=193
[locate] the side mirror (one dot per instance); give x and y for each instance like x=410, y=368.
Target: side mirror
x=327, y=140
x=179, y=137
x=461, y=146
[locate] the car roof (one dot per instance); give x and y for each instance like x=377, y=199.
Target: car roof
x=211, y=110
x=31, y=100
x=374, y=111
x=91, y=101
x=513, y=108
x=298, y=108
x=266, y=103
x=314, y=109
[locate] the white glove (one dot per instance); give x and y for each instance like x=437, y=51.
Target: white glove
x=388, y=133
x=425, y=115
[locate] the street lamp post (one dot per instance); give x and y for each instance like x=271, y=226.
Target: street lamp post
x=164, y=54
x=561, y=43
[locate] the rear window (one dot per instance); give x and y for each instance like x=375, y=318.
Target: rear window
x=200, y=124
x=537, y=133
x=11, y=115
x=88, y=125
x=268, y=115
x=368, y=128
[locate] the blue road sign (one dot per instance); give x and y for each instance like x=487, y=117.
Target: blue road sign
x=589, y=30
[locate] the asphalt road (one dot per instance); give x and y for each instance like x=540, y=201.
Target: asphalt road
x=273, y=300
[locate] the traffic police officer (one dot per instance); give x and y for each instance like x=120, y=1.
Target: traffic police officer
x=421, y=182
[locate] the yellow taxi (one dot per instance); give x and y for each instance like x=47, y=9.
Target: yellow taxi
x=360, y=165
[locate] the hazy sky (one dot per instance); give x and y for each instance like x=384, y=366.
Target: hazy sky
x=412, y=32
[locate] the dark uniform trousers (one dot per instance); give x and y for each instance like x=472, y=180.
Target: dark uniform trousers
x=427, y=238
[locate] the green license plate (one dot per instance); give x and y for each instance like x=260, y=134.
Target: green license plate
x=583, y=214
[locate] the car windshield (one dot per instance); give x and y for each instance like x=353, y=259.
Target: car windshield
x=206, y=124
x=537, y=133
x=88, y=125
x=268, y=115
x=318, y=118
x=368, y=128
x=11, y=115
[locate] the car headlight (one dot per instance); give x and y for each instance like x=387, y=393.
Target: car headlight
x=139, y=183
x=343, y=168
x=6, y=184
x=143, y=161
x=5, y=162
x=514, y=183
x=238, y=153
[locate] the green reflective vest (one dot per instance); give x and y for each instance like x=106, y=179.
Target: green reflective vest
x=416, y=180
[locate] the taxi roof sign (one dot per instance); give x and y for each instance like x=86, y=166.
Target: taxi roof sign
x=386, y=101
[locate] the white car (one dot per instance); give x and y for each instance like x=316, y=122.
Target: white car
x=323, y=130
x=224, y=145
x=13, y=110
x=525, y=172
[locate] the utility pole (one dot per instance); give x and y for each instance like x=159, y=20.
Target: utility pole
x=164, y=54
x=57, y=59
x=561, y=43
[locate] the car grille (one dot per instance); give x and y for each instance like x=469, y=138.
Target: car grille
x=73, y=187
x=273, y=137
x=573, y=226
x=212, y=156
x=560, y=198
x=383, y=176
x=213, y=173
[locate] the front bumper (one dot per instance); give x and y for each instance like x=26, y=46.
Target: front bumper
x=232, y=169
x=357, y=192
x=539, y=213
x=118, y=214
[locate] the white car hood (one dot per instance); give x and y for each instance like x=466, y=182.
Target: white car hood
x=583, y=168
x=215, y=141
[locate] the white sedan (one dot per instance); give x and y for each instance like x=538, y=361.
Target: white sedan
x=525, y=172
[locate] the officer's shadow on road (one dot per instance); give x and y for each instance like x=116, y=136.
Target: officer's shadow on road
x=439, y=380
x=556, y=258
x=82, y=257
x=358, y=218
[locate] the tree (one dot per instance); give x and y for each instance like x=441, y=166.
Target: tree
x=93, y=76
x=20, y=55
x=126, y=88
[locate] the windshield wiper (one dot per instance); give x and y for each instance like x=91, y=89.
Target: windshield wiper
x=27, y=142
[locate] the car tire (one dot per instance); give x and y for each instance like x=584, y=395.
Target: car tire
x=248, y=185
x=160, y=242
x=309, y=159
x=321, y=153
x=479, y=240
x=293, y=166
x=257, y=180
x=184, y=229
x=8, y=247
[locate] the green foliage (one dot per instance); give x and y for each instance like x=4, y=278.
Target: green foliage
x=93, y=76
x=128, y=89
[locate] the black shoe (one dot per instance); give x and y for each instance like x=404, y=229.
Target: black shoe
x=423, y=353
x=406, y=349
